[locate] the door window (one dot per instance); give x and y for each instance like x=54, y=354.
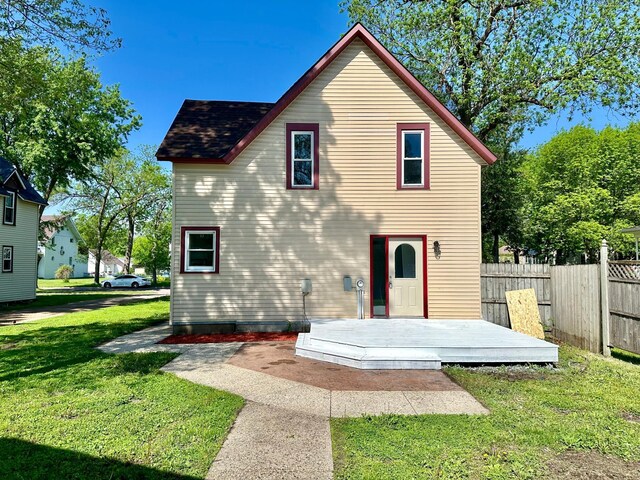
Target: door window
x=405, y=259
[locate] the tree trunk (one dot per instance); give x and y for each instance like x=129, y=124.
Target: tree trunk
x=127, y=256
x=516, y=256
x=154, y=273
x=560, y=258
x=154, y=276
x=496, y=248
x=96, y=274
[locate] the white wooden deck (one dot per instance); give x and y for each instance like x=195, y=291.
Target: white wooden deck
x=419, y=343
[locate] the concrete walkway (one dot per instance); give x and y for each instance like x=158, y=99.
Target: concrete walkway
x=283, y=432
x=33, y=314
x=273, y=443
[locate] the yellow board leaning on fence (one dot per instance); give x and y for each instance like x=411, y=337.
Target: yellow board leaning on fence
x=523, y=312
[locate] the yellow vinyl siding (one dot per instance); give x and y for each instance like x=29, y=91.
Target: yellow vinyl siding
x=21, y=284
x=272, y=237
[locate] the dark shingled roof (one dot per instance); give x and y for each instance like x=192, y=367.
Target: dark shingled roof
x=28, y=194
x=208, y=129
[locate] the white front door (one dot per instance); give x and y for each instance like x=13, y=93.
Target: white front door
x=406, y=276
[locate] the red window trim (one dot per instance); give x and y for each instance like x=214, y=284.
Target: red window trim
x=304, y=127
x=2, y=259
x=216, y=260
x=426, y=154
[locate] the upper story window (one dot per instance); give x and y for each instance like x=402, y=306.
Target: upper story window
x=412, y=156
x=303, y=166
x=9, y=211
x=7, y=259
x=199, y=249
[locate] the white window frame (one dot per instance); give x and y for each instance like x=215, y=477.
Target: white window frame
x=187, y=251
x=421, y=158
x=12, y=208
x=294, y=159
x=10, y=249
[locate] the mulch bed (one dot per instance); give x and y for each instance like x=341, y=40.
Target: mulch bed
x=231, y=337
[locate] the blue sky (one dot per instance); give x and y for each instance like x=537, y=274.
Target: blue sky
x=218, y=50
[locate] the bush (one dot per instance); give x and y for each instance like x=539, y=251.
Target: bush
x=64, y=273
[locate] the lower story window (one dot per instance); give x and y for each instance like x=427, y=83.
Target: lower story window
x=200, y=246
x=7, y=259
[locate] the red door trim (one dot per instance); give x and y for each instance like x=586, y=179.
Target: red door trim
x=425, y=286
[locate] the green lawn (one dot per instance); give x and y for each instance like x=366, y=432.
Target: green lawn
x=45, y=299
x=70, y=411
x=73, y=282
x=589, y=404
x=85, y=282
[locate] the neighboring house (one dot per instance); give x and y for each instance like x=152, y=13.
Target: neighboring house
x=60, y=247
x=356, y=171
x=110, y=264
x=507, y=255
x=18, y=234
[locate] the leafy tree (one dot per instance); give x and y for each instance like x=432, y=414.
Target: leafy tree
x=57, y=22
x=114, y=241
x=503, y=200
x=152, y=185
x=101, y=195
x=151, y=250
x=502, y=66
x=63, y=126
x=585, y=187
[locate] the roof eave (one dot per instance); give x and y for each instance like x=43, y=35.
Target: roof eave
x=43, y=202
x=191, y=160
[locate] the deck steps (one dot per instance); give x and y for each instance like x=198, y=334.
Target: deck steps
x=368, y=358
x=419, y=344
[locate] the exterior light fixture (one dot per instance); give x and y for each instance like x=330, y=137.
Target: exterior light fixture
x=436, y=249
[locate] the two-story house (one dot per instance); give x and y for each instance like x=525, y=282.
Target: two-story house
x=356, y=173
x=18, y=234
x=60, y=247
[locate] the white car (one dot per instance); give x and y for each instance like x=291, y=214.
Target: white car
x=133, y=281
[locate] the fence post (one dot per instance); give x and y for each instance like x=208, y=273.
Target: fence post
x=604, y=297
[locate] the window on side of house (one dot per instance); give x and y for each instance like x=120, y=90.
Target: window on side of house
x=302, y=156
x=7, y=259
x=413, y=156
x=200, y=247
x=9, y=211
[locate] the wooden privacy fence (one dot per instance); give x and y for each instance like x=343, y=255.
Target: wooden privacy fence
x=575, y=305
x=573, y=300
x=498, y=278
x=624, y=308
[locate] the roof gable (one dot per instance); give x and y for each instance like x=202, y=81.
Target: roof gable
x=53, y=223
x=12, y=179
x=357, y=32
